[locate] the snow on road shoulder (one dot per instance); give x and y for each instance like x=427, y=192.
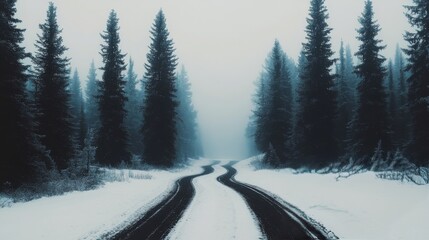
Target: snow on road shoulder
x=216, y=212
x=90, y=214
x=359, y=207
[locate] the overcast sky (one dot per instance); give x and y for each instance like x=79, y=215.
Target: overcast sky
x=222, y=43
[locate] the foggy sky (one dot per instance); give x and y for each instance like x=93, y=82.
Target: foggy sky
x=222, y=43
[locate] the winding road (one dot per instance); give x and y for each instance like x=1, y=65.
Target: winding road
x=276, y=220
x=159, y=220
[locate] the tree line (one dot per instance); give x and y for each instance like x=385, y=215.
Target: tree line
x=51, y=124
x=327, y=111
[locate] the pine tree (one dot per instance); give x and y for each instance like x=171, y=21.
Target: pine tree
x=402, y=120
x=345, y=99
x=76, y=106
x=351, y=75
x=112, y=139
x=159, y=113
x=418, y=92
x=315, y=142
x=187, y=143
x=260, y=114
x=371, y=126
x=279, y=107
x=392, y=104
x=23, y=157
x=51, y=70
x=272, y=119
x=76, y=94
x=83, y=127
x=399, y=74
x=92, y=112
x=132, y=106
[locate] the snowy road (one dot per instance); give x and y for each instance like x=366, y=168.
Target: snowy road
x=277, y=220
x=159, y=220
x=216, y=213
x=213, y=205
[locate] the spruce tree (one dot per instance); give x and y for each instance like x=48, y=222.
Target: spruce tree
x=92, y=112
x=315, y=142
x=279, y=106
x=272, y=119
x=399, y=74
x=112, y=145
x=76, y=94
x=76, y=106
x=51, y=70
x=392, y=104
x=351, y=75
x=187, y=143
x=418, y=92
x=83, y=127
x=132, y=106
x=159, y=113
x=23, y=157
x=345, y=99
x=371, y=125
x=402, y=120
x=260, y=114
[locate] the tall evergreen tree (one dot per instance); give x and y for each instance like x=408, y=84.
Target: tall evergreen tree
x=83, y=127
x=393, y=107
x=351, y=75
x=371, y=126
x=112, y=136
x=159, y=113
x=187, y=143
x=280, y=103
x=92, y=112
x=402, y=120
x=133, y=119
x=418, y=93
x=273, y=119
x=399, y=74
x=51, y=70
x=77, y=111
x=345, y=99
x=315, y=136
x=22, y=154
x=260, y=114
x=76, y=94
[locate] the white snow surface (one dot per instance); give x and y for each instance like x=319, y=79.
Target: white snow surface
x=94, y=214
x=216, y=212
x=361, y=206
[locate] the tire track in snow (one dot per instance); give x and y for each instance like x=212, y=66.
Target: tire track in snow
x=158, y=221
x=277, y=221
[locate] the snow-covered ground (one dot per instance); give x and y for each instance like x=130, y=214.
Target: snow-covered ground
x=359, y=207
x=90, y=214
x=216, y=212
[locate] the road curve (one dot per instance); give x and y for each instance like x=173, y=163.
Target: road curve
x=276, y=220
x=160, y=219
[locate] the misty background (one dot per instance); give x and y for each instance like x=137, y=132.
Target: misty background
x=223, y=45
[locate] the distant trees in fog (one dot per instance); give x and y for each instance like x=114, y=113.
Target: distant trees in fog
x=359, y=113
x=52, y=128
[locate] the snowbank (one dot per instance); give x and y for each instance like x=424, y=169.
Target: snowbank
x=92, y=214
x=359, y=207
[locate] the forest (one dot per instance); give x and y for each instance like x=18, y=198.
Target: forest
x=331, y=113
x=345, y=112
x=56, y=131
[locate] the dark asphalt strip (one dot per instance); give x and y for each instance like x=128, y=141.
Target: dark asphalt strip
x=275, y=219
x=159, y=220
